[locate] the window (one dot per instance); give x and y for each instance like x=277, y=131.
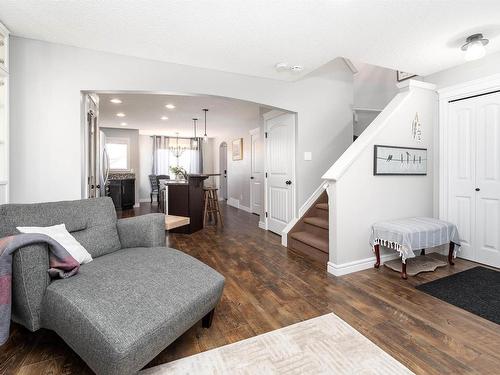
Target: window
x=118, y=152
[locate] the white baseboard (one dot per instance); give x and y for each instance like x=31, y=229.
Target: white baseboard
x=233, y=202
x=147, y=200
x=262, y=225
x=245, y=208
x=137, y=205
x=358, y=265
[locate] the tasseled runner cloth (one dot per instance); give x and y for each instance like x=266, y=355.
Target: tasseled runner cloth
x=62, y=265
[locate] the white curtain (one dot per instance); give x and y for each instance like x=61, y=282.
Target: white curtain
x=191, y=159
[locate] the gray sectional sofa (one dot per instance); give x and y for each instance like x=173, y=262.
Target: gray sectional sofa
x=128, y=304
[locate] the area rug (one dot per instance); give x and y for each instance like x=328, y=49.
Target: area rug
x=476, y=290
x=323, y=345
x=422, y=263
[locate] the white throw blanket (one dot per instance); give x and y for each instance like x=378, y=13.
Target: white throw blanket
x=416, y=233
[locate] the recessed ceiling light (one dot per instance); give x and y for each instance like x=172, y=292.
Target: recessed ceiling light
x=164, y=117
x=123, y=124
x=120, y=114
x=116, y=101
x=297, y=68
x=474, y=47
x=170, y=106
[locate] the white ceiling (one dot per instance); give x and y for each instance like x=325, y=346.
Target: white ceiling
x=143, y=112
x=251, y=36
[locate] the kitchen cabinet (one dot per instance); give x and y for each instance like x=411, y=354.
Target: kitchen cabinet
x=122, y=192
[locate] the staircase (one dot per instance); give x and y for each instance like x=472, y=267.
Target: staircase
x=310, y=235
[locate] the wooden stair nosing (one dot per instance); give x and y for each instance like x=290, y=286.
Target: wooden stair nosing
x=322, y=206
x=317, y=222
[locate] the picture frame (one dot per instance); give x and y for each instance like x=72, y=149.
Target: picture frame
x=399, y=161
x=237, y=149
x=403, y=76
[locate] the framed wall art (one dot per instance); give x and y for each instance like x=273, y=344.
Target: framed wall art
x=237, y=149
x=402, y=161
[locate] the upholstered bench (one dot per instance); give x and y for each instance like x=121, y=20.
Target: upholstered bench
x=416, y=233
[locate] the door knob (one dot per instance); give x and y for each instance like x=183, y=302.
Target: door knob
x=288, y=182
x=251, y=178
x=477, y=189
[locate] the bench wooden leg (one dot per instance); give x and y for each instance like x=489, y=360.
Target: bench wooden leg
x=450, y=253
x=404, y=276
x=377, y=256
x=206, y=321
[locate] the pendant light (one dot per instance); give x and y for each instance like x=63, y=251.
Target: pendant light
x=205, y=136
x=195, y=140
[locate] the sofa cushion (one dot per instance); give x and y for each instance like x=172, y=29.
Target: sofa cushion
x=123, y=309
x=91, y=221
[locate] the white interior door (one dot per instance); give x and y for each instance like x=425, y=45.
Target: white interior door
x=223, y=170
x=462, y=172
x=488, y=179
x=279, y=168
x=256, y=172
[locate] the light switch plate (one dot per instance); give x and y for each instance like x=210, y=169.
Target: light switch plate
x=308, y=155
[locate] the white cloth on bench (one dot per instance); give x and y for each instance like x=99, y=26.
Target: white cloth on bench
x=415, y=233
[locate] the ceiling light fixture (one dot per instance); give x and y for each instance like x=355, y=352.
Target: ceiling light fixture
x=474, y=47
x=205, y=136
x=116, y=101
x=123, y=124
x=164, y=118
x=120, y=114
x=170, y=106
x=284, y=67
x=297, y=68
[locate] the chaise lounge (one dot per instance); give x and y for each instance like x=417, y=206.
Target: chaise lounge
x=128, y=304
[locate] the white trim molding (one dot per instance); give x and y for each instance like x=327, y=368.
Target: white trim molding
x=358, y=265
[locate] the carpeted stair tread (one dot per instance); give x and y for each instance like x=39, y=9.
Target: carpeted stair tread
x=322, y=206
x=317, y=221
x=311, y=240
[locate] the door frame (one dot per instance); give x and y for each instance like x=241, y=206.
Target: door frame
x=252, y=132
x=269, y=116
x=222, y=197
x=456, y=92
x=85, y=98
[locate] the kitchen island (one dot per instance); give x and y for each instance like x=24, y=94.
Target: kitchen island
x=184, y=198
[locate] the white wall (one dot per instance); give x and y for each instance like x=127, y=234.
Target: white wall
x=46, y=135
x=374, y=88
x=468, y=71
x=360, y=198
x=133, y=139
x=238, y=171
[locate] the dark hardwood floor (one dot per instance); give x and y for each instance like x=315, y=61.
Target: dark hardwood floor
x=268, y=288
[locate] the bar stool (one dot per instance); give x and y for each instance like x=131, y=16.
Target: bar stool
x=211, y=206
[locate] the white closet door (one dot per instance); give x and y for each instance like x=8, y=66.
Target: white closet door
x=462, y=172
x=488, y=179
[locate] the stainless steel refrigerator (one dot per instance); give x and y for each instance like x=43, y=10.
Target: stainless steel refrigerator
x=97, y=167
